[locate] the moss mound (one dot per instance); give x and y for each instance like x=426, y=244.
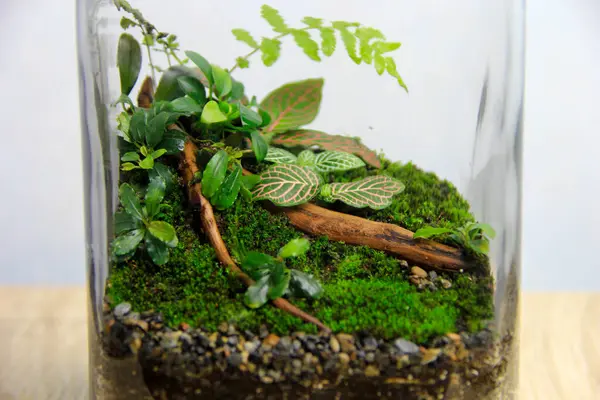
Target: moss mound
x=365, y=289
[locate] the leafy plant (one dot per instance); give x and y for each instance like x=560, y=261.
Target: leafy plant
x=473, y=236
x=220, y=186
x=362, y=43
x=274, y=279
x=136, y=223
x=289, y=185
x=327, y=161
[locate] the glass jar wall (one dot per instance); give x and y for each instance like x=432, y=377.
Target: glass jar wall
x=284, y=202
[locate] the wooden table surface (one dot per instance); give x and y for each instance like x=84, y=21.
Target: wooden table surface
x=43, y=345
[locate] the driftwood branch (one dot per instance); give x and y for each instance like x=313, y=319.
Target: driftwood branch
x=391, y=238
x=188, y=169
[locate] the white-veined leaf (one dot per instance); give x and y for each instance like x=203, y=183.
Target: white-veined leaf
x=287, y=185
x=375, y=192
x=329, y=161
x=280, y=156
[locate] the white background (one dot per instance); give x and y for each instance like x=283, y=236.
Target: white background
x=41, y=211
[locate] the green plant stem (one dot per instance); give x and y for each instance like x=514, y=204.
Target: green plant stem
x=150, y=61
x=273, y=38
x=175, y=57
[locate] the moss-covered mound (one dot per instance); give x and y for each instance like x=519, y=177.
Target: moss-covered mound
x=365, y=289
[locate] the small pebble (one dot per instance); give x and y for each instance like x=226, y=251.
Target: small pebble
x=446, y=284
x=235, y=359
x=121, y=310
x=334, y=344
x=223, y=327
x=346, y=342
x=184, y=326
x=344, y=359
x=371, y=371
x=406, y=347
x=143, y=325
x=433, y=275
x=403, y=264
x=370, y=343
x=271, y=340
x=430, y=355
x=418, y=271
x=370, y=357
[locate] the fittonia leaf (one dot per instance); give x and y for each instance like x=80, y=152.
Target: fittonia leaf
x=287, y=185
x=375, y=192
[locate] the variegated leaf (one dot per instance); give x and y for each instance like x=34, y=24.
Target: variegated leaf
x=287, y=185
x=293, y=105
x=329, y=161
x=375, y=192
x=280, y=156
x=325, y=141
x=306, y=158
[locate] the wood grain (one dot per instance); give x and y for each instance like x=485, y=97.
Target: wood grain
x=43, y=345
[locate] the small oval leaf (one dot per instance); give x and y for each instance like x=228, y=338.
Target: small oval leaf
x=204, y=65
x=429, y=232
x=305, y=285
x=279, y=281
x=229, y=190
x=127, y=242
x=375, y=192
x=287, y=185
x=259, y=146
x=168, y=87
x=154, y=195
x=256, y=295
x=129, y=61
x=214, y=173
x=222, y=81
x=157, y=250
x=212, y=114
x=193, y=88
x=280, y=156
x=294, y=248
x=164, y=232
x=329, y=161
x=130, y=201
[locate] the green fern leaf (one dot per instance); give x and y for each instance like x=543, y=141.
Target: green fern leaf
x=375, y=192
x=244, y=36
x=330, y=161
x=287, y=185
x=274, y=19
x=366, y=52
x=328, y=41
x=306, y=158
x=339, y=25
x=305, y=42
x=379, y=63
x=280, y=156
x=390, y=66
x=366, y=33
x=350, y=44
x=313, y=22
x=270, y=49
x=242, y=62
x=385, y=47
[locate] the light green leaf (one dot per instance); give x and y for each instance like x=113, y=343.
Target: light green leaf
x=287, y=185
x=259, y=146
x=428, y=232
x=379, y=63
x=214, y=173
x=124, y=222
x=186, y=105
x=305, y=285
x=157, y=153
x=129, y=61
x=280, y=156
x=294, y=248
x=130, y=156
x=271, y=49
x=144, y=150
x=306, y=158
x=164, y=232
x=154, y=195
x=212, y=114
x=204, y=65
x=328, y=41
x=123, y=121
x=329, y=161
x=157, y=250
x=375, y=192
x=243, y=62
x=249, y=181
x=237, y=90
x=313, y=22
x=222, y=81
x=128, y=242
x=279, y=281
x=126, y=23
x=481, y=246
x=229, y=190
x=128, y=166
x=147, y=163
x=385, y=47
x=366, y=52
x=293, y=105
x=244, y=36
x=130, y=201
x=193, y=88
x=274, y=19
x=256, y=295
x=390, y=66
x=349, y=41
x=305, y=42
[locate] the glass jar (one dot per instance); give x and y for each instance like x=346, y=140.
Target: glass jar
x=303, y=208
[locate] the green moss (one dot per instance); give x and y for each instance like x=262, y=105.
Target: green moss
x=365, y=289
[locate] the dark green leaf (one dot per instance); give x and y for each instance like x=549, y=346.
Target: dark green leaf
x=129, y=61
x=229, y=190
x=157, y=250
x=124, y=99
x=274, y=19
x=130, y=156
x=259, y=146
x=164, y=232
x=128, y=166
x=124, y=222
x=204, y=65
x=430, y=232
x=294, y=248
x=161, y=170
x=270, y=49
x=222, y=81
x=485, y=228
x=237, y=90
x=147, y=163
x=305, y=285
x=250, y=117
x=256, y=295
x=244, y=36
x=154, y=195
x=168, y=87
x=173, y=141
x=266, y=118
x=328, y=41
x=293, y=105
x=214, y=173
x=212, y=114
x=307, y=44
x=186, y=105
x=249, y=181
x=279, y=280
x=156, y=129
x=193, y=88
x=137, y=126
x=313, y=22
x=225, y=107
x=128, y=242
x=130, y=201
x=123, y=121
x=246, y=193
x=257, y=264
x=126, y=23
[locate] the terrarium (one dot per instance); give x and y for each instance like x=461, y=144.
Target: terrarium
x=302, y=200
